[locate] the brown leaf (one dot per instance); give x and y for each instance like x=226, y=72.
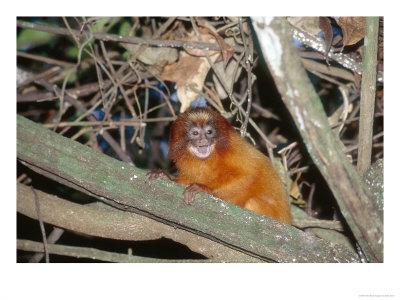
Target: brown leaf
x=209, y=36
x=357, y=80
x=309, y=24
x=229, y=74
x=214, y=95
x=227, y=50
x=294, y=189
x=181, y=71
x=352, y=28
x=188, y=72
x=325, y=25
x=205, y=37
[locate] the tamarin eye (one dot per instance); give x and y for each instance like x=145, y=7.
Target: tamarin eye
x=209, y=131
x=195, y=132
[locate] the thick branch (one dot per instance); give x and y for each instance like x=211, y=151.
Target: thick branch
x=117, y=224
x=300, y=98
x=122, y=185
x=368, y=90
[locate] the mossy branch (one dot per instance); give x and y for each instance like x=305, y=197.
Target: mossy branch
x=123, y=186
x=108, y=222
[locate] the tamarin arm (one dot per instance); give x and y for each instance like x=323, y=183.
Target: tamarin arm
x=190, y=191
x=154, y=174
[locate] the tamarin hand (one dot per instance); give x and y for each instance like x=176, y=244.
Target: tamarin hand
x=190, y=191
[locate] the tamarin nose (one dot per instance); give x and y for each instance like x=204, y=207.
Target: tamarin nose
x=203, y=142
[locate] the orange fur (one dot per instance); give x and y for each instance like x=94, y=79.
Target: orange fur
x=235, y=171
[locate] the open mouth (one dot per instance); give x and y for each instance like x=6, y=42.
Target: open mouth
x=201, y=151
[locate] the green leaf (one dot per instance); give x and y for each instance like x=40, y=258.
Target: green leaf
x=125, y=28
x=29, y=38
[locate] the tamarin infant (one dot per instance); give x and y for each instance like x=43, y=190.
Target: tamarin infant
x=212, y=157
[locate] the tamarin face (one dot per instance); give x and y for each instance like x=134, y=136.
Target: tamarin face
x=198, y=134
x=201, y=139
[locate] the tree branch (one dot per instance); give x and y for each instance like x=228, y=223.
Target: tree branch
x=298, y=94
x=124, y=39
x=117, y=224
x=123, y=186
x=368, y=91
x=318, y=44
x=81, y=252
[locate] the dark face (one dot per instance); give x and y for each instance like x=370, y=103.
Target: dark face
x=201, y=140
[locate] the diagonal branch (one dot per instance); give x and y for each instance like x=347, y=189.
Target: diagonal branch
x=117, y=224
x=354, y=199
x=123, y=186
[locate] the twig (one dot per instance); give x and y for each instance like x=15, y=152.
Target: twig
x=45, y=59
x=43, y=231
x=110, y=140
x=355, y=147
x=125, y=39
x=95, y=254
x=72, y=70
x=265, y=113
x=269, y=144
x=343, y=116
x=248, y=61
x=318, y=44
x=368, y=90
x=332, y=71
x=49, y=72
x=311, y=222
x=53, y=237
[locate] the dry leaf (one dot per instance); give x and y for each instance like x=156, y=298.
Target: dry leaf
x=208, y=36
x=188, y=71
x=309, y=24
x=227, y=50
x=325, y=25
x=228, y=75
x=153, y=55
x=214, y=95
x=352, y=28
x=294, y=189
x=205, y=37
